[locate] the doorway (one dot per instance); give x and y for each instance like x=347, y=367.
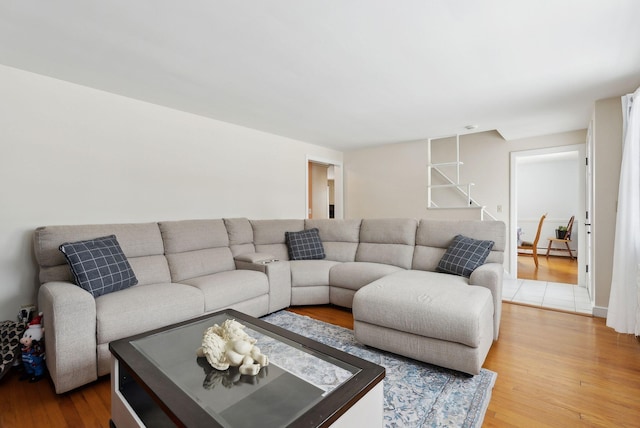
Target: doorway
x=324, y=189
x=550, y=181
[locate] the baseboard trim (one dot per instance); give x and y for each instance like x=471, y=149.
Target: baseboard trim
x=600, y=311
x=542, y=252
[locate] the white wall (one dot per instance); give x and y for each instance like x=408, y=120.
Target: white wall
x=607, y=158
x=548, y=185
x=386, y=181
x=71, y=155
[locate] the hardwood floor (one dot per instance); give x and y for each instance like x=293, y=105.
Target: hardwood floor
x=561, y=370
x=552, y=269
x=554, y=370
x=36, y=404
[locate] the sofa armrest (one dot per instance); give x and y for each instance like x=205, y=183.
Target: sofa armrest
x=279, y=277
x=490, y=275
x=69, y=314
x=259, y=258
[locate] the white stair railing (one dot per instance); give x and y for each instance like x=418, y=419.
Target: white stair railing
x=462, y=189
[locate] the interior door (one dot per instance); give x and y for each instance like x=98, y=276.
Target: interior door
x=309, y=190
x=319, y=191
x=325, y=188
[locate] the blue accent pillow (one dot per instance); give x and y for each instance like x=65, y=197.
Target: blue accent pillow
x=464, y=255
x=304, y=245
x=99, y=265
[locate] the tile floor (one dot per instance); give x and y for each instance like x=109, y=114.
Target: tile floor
x=554, y=295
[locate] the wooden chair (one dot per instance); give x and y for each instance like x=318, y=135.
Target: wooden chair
x=532, y=246
x=566, y=240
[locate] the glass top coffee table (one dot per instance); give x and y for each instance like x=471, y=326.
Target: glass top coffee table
x=157, y=380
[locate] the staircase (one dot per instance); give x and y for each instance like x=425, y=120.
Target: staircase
x=444, y=189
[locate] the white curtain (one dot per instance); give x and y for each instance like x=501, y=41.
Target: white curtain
x=624, y=301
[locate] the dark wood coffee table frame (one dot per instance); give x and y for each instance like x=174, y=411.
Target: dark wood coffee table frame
x=183, y=411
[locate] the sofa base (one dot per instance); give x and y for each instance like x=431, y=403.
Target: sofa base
x=341, y=297
x=438, y=352
x=303, y=296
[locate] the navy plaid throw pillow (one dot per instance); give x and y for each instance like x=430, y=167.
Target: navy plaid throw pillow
x=99, y=265
x=464, y=255
x=304, y=245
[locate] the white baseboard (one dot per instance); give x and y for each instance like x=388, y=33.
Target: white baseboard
x=542, y=252
x=600, y=311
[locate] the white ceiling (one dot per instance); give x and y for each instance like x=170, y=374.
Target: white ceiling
x=344, y=73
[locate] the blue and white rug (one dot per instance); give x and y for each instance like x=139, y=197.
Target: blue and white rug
x=415, y=394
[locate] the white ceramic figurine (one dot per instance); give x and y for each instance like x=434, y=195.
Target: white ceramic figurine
x=229, y=345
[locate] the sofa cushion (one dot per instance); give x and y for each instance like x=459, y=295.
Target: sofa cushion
x=387, y=241
x=354, y=275
x=99, y=265
x=224, y=289
x=138, y=241
x=240, y=235
x=150, y=269
x=340, y=237
x=143, y=308
x=309, y=273
x=192, y=235
x=268, y=236
x=429, y=304
x=304, y=245
x=193, y=264
x=464, y=255
x=196, y=247
x=434, y=236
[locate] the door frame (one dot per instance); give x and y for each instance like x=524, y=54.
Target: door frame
x=590, y=211
x=338, y=184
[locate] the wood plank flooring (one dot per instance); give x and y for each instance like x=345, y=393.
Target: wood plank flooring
x=552, y=269
x=562, y=370
x=554, y=370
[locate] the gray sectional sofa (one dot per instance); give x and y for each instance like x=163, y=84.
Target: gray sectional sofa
x=193, y=267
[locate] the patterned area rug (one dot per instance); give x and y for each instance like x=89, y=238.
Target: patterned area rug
x=415, y=394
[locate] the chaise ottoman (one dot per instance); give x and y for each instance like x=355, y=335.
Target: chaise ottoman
x=428, y=316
